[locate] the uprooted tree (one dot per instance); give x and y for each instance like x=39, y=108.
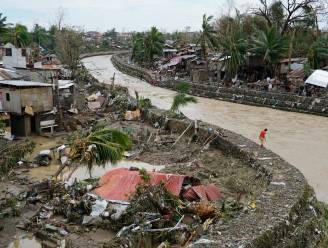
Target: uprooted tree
x=97, y=148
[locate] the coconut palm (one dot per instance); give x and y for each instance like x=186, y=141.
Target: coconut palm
x=207, y=36
x=153, y=44
x=318, y=52
x=233, y=48
x=181, y=99
x=270, y=45
x=39, y=35
x=97, y=147
x=4, y=27
x=138, y=47
x=19, y=36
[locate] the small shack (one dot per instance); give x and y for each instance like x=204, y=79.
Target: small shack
x=25, y=101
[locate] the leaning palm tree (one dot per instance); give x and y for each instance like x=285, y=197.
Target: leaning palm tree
x=271, y=46
x=207, y=36
x=153, y=44
x=19, y=36
x=4, y=27
x=233, y=48
x=98, y=148
x=182, y=99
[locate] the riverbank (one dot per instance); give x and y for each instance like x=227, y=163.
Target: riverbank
x=281, y=101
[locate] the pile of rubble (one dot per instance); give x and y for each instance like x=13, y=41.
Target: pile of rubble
x=151, y=207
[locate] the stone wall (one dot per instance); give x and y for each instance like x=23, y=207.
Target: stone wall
x=287, y=102
x=282, y=217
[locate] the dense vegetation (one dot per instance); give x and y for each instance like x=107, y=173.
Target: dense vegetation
x=275, y=30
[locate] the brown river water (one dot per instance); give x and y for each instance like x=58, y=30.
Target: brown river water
x=300, y=139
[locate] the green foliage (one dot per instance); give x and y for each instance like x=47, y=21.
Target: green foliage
x=270, y=45
x=4, y=27
x=100, y=146
x=146, y=46
x=40, y=35
x=12, y=152
x=19, y=36
x=233, y=52
x=145, y=177
x=181, y=100
x=183, y=87
x=207, y=36
x=318, y=52
x=143, y=103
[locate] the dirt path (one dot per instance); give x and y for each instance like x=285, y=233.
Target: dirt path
x=300, y=139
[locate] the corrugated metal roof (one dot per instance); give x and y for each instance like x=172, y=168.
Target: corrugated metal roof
x=318, y=78
x=121, y=183
x=6, y=74
x=20, y=83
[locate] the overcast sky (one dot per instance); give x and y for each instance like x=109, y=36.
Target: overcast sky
x=124, y=15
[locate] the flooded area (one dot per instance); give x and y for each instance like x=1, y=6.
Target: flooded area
x=25, y=241
x=299, y=138
x=83, y=173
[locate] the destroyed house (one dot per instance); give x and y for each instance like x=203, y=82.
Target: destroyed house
x=26, y=102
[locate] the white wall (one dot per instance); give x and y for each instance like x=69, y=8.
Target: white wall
x=16, y=60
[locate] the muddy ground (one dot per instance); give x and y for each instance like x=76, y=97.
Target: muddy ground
x=152, y=149
x=231, y=175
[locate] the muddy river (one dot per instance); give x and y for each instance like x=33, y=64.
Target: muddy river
x=299, y=138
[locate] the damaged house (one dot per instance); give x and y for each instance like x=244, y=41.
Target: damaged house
x=26, y=102
x=14, y=57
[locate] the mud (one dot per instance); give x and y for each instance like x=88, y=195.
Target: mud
x=300, y=139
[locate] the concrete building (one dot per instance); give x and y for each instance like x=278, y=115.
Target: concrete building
x=26, y=102
x=14, y=57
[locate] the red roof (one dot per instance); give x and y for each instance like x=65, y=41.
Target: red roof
x=120, y=184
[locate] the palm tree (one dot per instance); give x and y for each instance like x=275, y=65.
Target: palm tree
x=318, y=52
x=4, y=27
x=233, y=48
x=39, y=35
x=98, y=147
x=153, y=44
x=19, y=36
x=138, y=50
x=270, y=45
x=181, y=99
x=207, y=36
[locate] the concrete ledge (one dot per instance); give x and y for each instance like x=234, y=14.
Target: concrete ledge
x=279, y=207
x=282, y=209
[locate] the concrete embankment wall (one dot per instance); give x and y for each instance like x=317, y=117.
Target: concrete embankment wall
x=281, y=218
x=287, y=102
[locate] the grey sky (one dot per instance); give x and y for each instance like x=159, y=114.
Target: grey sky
x=127, y=15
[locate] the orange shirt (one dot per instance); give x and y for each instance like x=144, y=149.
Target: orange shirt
x=262, y=134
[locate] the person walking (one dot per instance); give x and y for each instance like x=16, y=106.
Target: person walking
x=262, y=137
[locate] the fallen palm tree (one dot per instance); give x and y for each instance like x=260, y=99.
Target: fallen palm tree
x=97, y=148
